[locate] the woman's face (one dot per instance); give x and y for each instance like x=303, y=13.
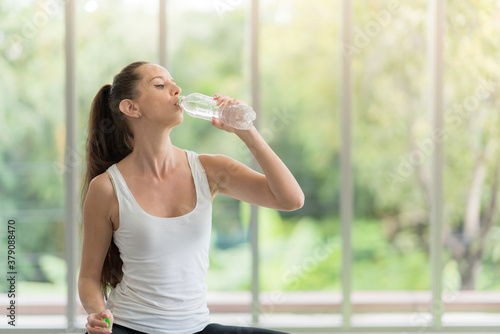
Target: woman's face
x=158, y=95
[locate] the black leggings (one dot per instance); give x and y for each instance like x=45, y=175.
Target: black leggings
x=221, y=329
x=210, y=329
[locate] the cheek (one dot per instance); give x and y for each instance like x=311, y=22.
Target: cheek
x=151, y=102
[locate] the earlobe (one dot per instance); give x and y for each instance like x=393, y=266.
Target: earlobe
x=129, y=108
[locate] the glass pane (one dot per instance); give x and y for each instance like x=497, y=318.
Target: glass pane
x=208, y=54
x=301, y=250
x=107, y=42
x=472, y=168
x=392, y=146
x=31, y=186
x=110, y=35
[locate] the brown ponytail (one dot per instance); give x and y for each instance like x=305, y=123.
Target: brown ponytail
x=110, y=140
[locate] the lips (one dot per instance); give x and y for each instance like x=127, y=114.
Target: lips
x=177, y=102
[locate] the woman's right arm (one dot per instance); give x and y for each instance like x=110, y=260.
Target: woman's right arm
x=97, y=233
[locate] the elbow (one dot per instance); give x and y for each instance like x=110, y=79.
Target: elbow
x=295, y=202
x=300, y=201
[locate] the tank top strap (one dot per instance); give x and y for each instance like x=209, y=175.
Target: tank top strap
x=199, y=176
x=120, y=186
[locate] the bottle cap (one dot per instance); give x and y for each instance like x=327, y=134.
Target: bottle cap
x=107, y=320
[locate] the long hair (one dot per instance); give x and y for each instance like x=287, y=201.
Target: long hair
x=110, y=140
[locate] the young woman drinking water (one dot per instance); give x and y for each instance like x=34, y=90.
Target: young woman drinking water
x=148, y=204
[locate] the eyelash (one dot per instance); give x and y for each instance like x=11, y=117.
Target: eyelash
x=158, y=86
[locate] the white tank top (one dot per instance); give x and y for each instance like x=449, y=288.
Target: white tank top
x=165, y=262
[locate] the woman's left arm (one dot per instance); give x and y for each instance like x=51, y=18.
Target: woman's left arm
x=276, y=188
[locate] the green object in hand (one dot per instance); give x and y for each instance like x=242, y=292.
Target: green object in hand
x=107, y=320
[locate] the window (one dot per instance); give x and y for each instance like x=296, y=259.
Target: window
x=301, y=251
x=31, y=181
x=391, y=159
x=337, y=111
x=471, y=167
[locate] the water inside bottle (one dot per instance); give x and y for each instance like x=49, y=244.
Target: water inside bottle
x=195, y=109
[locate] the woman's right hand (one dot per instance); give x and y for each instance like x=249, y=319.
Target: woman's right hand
x=95, y=324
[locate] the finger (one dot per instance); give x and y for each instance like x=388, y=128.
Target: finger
x=218, y=96
x=222, y=100
x=97, y=330
x=104, y=324
x=97, y=322
x=233, y=101
x=107, y=318
x=221, y=96
x=221, y=125
x=216, y=122
x=219, y=101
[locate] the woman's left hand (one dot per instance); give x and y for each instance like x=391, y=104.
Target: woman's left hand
x=223, y=100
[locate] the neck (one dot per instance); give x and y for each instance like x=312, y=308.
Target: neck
x=154, y=153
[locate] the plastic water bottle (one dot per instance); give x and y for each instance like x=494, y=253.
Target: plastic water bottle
x=238, y=116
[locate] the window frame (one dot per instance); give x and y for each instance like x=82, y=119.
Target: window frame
x=436, y=20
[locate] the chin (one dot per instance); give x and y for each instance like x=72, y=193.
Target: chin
x=170, y=121
x=179, y=119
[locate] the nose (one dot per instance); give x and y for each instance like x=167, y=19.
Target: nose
x=177, y=90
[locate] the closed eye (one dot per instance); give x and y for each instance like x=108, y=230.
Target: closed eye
x=160, y=86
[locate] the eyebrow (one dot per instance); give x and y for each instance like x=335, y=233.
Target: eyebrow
x=160, y=76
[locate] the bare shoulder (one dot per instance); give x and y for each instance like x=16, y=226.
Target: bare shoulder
x=208, y=160
x=221, y=170
x=101, y=200
x=218, y=162
x=101, y=186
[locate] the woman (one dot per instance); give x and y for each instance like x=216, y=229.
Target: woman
x=147, y=207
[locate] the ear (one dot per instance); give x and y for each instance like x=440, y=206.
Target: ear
x=129, y=108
